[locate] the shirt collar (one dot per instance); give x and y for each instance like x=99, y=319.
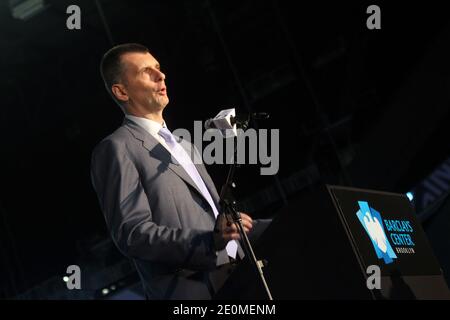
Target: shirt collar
x=150, y=126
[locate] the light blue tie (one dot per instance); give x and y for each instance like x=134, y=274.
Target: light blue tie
x=185, y=161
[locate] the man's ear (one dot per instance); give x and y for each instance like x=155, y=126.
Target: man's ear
x=119, y=92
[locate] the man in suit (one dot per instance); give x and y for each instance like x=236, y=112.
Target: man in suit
x=160, y=208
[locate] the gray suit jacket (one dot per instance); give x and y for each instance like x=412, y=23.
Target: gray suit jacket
x=157, y=216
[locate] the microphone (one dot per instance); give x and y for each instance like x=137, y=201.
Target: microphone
x=227, y=119
x=209, y=124
x=223, y=123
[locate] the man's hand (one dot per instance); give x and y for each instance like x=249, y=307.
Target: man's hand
x=226, y=230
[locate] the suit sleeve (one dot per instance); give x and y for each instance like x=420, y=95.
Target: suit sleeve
x=128, y=216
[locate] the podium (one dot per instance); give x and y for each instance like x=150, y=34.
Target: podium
x=324, y=244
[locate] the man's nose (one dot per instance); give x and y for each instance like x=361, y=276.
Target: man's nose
x=160, y=76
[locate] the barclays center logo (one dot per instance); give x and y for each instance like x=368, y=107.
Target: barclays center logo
x=373, y=224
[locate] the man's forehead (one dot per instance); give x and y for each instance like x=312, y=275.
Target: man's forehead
x=139, y=59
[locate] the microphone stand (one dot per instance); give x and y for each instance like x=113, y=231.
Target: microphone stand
x=228, y=204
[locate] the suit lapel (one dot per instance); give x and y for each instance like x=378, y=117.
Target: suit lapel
x=209, y=185
x=158, y=151
x=189, y=147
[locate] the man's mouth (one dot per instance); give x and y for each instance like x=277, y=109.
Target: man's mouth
x=162, y=91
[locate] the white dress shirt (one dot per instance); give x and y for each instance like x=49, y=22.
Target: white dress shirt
x=151, y=127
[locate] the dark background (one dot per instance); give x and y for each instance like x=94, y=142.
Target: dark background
x=357, y=107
